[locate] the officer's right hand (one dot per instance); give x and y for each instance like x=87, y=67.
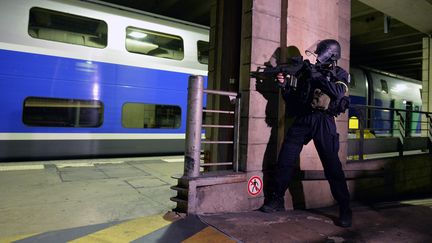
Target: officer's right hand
x=280, y=78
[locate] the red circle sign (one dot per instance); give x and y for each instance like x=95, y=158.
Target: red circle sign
x=255, y=185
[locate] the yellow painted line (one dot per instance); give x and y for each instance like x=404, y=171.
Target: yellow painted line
x=21, y=167
x=419, y=202
x=174, y=160
x=72, y=164
x=209, y=235
x=16, y=237
x=127, y=231
x=108, y=162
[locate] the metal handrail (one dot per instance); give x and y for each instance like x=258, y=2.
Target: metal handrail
x=218, y=111
x=403, y=129
x=386, y=108
x=217, y=164
x=234, y=99
x=216, y=142
x=218, y=126
x=399, y=113
x=194, y=127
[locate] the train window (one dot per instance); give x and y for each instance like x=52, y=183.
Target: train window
x=68, y=28
x=139, y=115
x=153, y=43
x=53, y=112
x=352, y=81
x=203, y=52
x=384, y=87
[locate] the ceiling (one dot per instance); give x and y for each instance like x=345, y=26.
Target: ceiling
x=395, y=47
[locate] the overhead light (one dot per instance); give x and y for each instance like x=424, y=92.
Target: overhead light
x=387, y=21
x=137, y=35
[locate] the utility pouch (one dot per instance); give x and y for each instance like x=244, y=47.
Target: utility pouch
x=320, y=100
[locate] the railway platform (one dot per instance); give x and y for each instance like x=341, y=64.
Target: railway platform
x=127, y=201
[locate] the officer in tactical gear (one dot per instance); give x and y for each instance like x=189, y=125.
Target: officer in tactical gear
x=315, y=120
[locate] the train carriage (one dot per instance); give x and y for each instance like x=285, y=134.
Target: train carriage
x=385, y=90
x=79, y=79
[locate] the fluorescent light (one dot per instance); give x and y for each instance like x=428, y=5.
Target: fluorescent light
x=137, y=35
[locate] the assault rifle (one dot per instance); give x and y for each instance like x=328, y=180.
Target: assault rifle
x=290, y=70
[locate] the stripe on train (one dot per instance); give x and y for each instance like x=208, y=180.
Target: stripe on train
x=59, y=77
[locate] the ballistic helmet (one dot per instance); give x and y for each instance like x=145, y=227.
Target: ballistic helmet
x=328, y=51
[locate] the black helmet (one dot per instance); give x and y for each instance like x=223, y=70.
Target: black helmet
x=328, y=51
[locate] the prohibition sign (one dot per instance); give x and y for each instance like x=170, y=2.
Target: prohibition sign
x=255, y=185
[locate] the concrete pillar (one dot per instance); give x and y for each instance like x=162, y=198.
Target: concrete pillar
x=427, y=74
x=259, y=116
x=262, y=118
x=225, y=24
x=308, y=21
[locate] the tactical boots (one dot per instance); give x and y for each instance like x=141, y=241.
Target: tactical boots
x=345, y=218
x=274, y=204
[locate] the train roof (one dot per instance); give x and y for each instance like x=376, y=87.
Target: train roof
x=140, y=12
x=118, y=20
x=124, y=12
x=389, y=74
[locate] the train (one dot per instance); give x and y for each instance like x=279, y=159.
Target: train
x=81, y=79
x=379, y=89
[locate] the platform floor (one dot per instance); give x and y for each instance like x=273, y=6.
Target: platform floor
x=126, y=200
x=51, y=195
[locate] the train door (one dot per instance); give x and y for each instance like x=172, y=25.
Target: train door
x=403, y=120
x=408, y=118
x=358, y=89
x=394, y=120
x=370, y=99
x=381, y=119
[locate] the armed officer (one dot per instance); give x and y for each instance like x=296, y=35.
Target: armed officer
x=315, y=120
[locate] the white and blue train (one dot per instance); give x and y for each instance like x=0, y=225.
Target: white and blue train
x=80, y=79
x=385, y=90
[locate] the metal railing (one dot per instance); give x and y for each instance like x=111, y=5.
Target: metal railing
x=388, y=131
x=194, y=127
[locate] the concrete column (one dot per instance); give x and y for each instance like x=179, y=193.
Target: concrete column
x=259, y=116
x=427, y=74
x=225, y=24
x=427, y=80
x=308, y=21
x=247, y=33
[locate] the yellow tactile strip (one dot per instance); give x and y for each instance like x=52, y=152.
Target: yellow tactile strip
x=209, y=235
x=16, y=237
x=127, y=231
x=154, y=228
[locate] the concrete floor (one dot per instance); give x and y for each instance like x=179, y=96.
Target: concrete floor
x=60, y=201
x=45, y=196
x=402, y=221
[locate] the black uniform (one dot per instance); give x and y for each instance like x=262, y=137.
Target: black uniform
x=315, y=99
x=319, y=126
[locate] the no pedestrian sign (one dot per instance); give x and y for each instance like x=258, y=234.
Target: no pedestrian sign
x=255, y=185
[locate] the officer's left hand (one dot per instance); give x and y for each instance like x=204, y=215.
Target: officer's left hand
x=280, y=78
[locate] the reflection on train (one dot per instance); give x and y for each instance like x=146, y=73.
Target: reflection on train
x=81, y=79
x=384, y=90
